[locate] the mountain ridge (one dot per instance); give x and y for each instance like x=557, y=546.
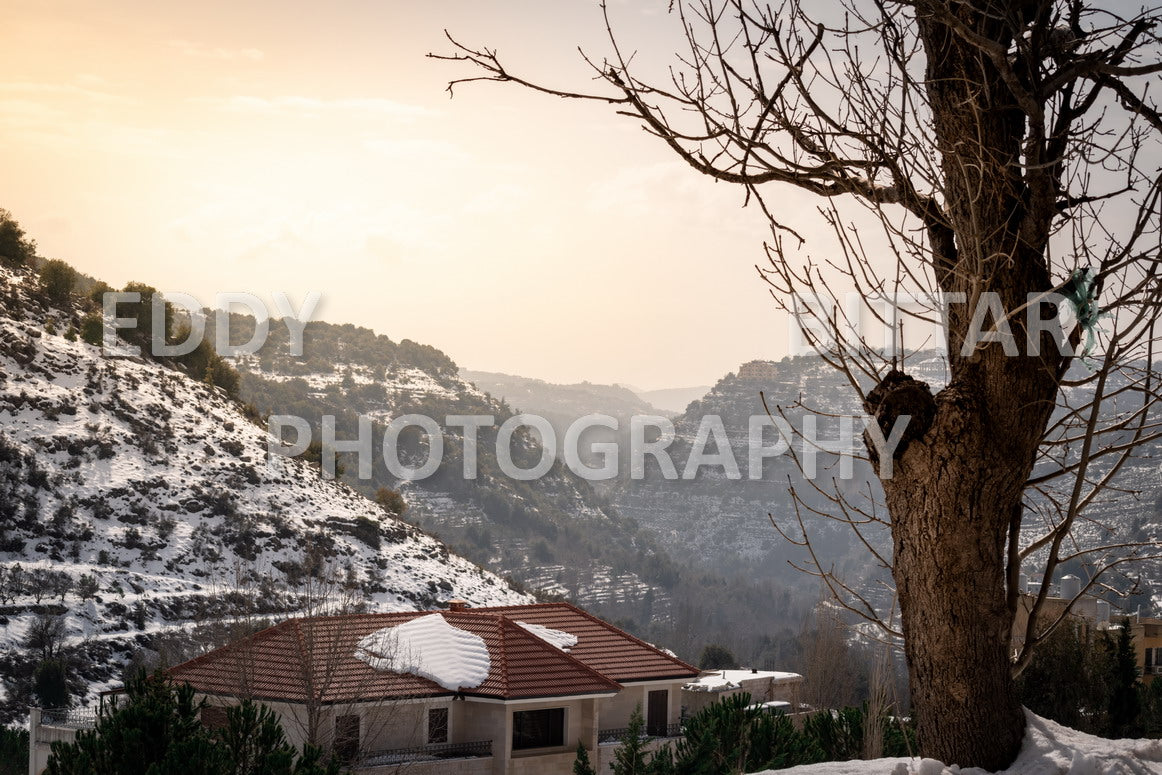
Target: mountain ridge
x=158, y=489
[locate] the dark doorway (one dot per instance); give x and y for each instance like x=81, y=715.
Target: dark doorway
x=658, y=713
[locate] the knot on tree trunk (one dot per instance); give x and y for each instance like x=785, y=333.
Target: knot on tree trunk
x=896, y=395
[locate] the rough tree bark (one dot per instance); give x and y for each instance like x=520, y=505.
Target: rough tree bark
x=955, y=489
x=988, y=124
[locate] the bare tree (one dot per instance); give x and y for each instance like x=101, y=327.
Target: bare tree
x=833, y=670
x=1007, y=152
x=324, y=591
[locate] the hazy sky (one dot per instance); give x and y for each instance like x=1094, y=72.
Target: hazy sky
x=266, y=146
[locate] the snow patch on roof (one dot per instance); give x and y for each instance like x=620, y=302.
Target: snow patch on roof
x=723, y=680
x=559, y=638
x=431, y=648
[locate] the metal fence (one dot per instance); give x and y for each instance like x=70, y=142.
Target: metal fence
x=431, y=752
x=71, y=718
x=654, y=731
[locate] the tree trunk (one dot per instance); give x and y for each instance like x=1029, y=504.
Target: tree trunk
x=950, y=520
x=956, y=493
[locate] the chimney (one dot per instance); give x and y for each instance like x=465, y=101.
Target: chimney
x=457, y=605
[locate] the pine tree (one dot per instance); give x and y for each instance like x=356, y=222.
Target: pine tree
x=93, y=330
x=1066, y=680
x=15, y=248
x=1152, y=709
x=717, y=657
x=56, y=280
x=13, y=751
x=157, y=730
x=50, y=684
x=1125, y=705
x=662, y=762
x=581, y=765
x=630, y=756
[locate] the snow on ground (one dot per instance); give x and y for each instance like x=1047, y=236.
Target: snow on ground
x=1049, y=749
x=429, y=647
x=157, y=487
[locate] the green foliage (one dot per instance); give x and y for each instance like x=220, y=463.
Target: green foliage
x=391, y=500
x=630, y=756
x=428, y=358
x=1152, y=709
x=92, y=329
x=581, y=765
x=50, y=684
x=57, y=280
x=254, y=740
x=97, y=293
x=202, y=363
x=362, y=528
x=717, y=657
x=662, y=762
x=87, y=586
x=731, y=736
x=837, y=735
x=718, y=738
x=1125, y=704
x=158, y=731
x=206, y=365
x=1066, y=679
x=15, y=248
x=141, y=333
x=13, y=751
x=899, y=737
x=221, y=374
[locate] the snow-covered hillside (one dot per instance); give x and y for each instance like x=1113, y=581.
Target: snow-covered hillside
x=158, y=488
x=556, y=534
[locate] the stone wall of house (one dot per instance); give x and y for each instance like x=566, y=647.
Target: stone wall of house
x=44, y=730
x=614, y=712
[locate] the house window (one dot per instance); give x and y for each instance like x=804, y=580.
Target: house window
x=538, y=728
x=438, y=725
x=347, y=737
x=213, y=717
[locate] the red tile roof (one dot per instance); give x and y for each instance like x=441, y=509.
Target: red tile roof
x=306, y=658
x=611, y=651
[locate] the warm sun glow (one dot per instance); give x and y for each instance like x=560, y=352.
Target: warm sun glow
x=300, y=147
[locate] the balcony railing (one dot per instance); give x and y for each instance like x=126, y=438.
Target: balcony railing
x=71, y=718
x=650, y=731
x=424, y=753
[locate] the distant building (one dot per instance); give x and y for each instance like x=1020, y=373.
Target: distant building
x=1091, y=613
x=758, y=371
x=1088, y=611
x=1147, y=634
x=766, y=687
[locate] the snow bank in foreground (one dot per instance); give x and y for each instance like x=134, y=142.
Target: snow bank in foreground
x=1049, y=749
x=431, y=648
